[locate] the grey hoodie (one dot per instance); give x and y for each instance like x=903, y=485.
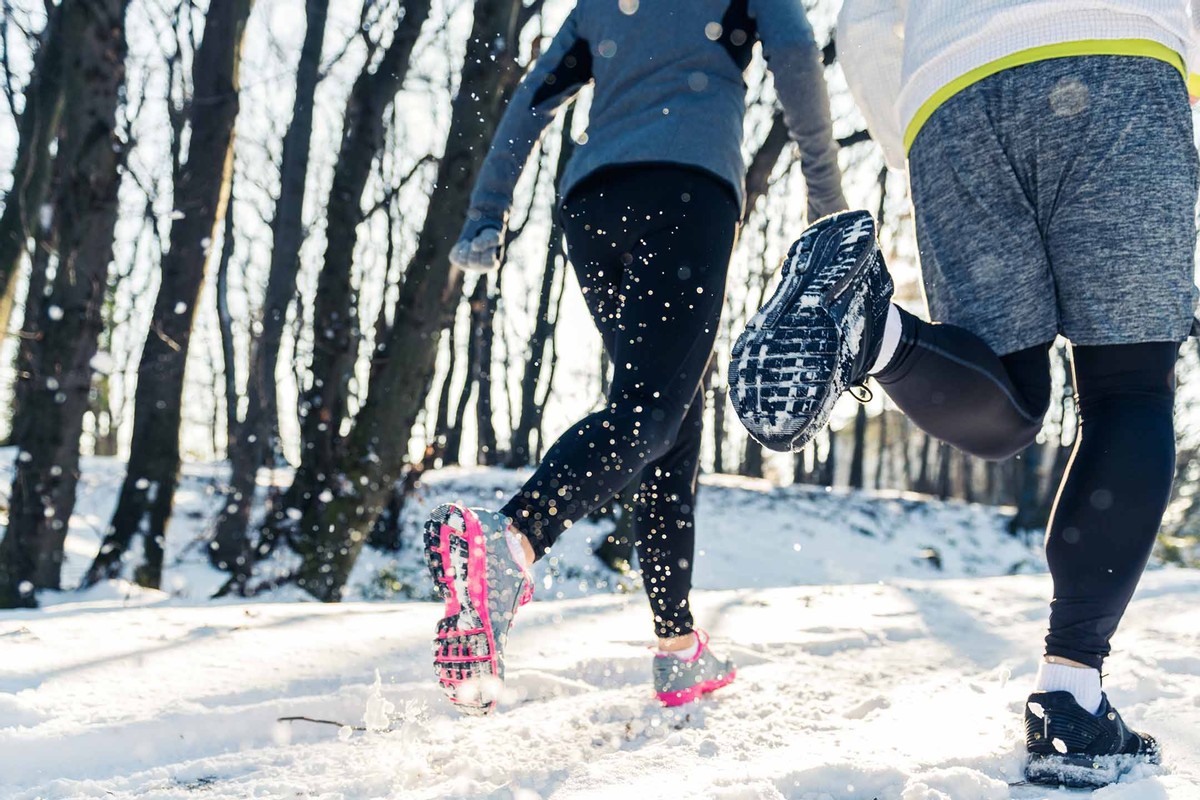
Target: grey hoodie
x=668, y=89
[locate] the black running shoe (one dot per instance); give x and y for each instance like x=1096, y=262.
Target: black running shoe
x=816, y=337
x=1070, y=747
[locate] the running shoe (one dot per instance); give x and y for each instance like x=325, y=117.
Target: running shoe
x=483, y=586
x=816, y=337
x=1070, y=747
x=678, y=681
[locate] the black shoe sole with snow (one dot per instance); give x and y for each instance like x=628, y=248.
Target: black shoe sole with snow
x=816, y=337
x=1070, y=747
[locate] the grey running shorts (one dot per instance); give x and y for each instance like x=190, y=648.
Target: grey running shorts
x=1059, y=197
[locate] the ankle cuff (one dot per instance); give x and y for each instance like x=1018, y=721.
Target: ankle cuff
x=1083, y=683
x=897, y=366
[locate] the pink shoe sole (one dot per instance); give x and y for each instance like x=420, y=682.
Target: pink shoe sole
x=681, y=698
x=466, y=654
x=463, y=654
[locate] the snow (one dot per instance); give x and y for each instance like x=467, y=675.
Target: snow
x=910, y=689
x=864, y=671
x=751, y=534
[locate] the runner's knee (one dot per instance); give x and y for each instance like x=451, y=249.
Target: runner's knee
x=1015, y=419
x=653, y=424
x=1125, y=374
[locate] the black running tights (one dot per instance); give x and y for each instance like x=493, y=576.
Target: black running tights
x=650, y=246
x=1118, y=482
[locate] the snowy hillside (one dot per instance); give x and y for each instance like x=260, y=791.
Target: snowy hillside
x=865, y=669
x=749, y=535
x=753, y=535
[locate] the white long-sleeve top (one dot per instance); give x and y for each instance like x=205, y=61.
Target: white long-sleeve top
x=904, y=59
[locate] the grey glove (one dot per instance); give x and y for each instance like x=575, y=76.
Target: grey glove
x=479, y=245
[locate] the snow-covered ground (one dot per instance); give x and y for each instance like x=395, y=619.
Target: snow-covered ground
x=864, y=670
x=909, y=690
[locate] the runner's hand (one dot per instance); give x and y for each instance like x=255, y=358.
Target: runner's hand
x=478, y=250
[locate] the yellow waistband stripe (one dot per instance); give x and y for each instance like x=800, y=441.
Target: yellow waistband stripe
x=1083, y=47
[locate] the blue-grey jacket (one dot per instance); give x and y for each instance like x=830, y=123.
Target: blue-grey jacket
x=668, y=89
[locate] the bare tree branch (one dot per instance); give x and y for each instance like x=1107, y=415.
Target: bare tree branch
x=389, y=196
x=6, y=12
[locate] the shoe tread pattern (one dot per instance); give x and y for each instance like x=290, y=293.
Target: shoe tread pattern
x=794, y=360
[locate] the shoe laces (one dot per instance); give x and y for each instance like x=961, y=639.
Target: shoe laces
x=862, y=393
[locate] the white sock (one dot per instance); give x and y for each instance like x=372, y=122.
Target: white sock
x=687, y=653
x=891, y=340
x=515, y=548
x=1082, y=682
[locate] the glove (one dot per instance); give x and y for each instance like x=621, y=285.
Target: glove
x=479, y=245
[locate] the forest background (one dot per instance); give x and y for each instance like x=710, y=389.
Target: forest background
x=224, y=239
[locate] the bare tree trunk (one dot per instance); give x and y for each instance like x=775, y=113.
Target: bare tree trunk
x=45, y=250
x=59, y=378
x=105, y=417
x=923, y=484
x=521, y=452
x=1028, y=490
x=331, y=534
x=720, y=399
x=752, y=460
x=538, y=431
x=214, y=418
x=388, y=533
x=880, y=213
x=531, y=411
x=882, y=471
x=335, y=324
x=200, y=197
x=990, y=470
x=257, y=437
x=36, y=130
x=800, y=473
x=225, y=324
x=829, y=465
x=713, y=387
x=485, y=334
x=858, y=456
x=454, y=434
x=762, y=164
x=436, y=449
x=944, y=488
x=967, y=466
x=906, y=430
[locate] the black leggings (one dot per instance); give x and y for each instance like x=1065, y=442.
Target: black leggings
x=1118, y=482
x=650, y=246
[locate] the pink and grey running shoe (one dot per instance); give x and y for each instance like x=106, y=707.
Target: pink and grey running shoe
x=483, y=586
x=678, y=682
